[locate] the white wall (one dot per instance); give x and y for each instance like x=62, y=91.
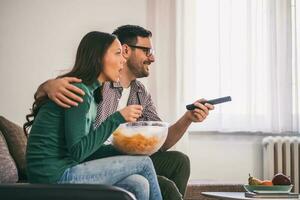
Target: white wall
x=39, y=38
x=225, y=156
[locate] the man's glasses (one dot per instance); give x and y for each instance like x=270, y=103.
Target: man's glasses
x=148, y=51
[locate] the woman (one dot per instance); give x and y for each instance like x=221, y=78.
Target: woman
x=61, y=140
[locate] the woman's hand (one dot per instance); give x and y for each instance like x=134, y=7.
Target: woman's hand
x=132, y=113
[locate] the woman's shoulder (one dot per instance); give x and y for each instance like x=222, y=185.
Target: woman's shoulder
x=87, y=88
x=82, y=86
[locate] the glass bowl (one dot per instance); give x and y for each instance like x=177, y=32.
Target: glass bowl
x=140, y=138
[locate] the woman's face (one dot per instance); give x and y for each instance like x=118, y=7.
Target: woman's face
x=113, y=62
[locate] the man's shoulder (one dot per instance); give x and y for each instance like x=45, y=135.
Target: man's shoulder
x=140, y=85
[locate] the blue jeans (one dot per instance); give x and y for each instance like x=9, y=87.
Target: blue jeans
x=133, y=173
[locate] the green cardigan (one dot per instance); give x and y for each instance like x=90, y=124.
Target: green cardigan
x=61, y=138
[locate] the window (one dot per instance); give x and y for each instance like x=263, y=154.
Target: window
x=245, y=49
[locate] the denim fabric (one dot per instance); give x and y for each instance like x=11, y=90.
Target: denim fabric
x=118, y=170
x=137, y=184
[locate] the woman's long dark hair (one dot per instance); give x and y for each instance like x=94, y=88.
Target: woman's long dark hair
x=88, y=66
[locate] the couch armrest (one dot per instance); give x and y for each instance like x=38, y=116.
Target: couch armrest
x=27, y=191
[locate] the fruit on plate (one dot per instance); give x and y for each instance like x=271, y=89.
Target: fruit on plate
x=267, y=183
x=254, y=181
x=281, y=179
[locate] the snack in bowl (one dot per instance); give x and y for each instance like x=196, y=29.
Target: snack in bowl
x=140, y=138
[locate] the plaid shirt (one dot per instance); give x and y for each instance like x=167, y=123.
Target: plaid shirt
x=111, y=94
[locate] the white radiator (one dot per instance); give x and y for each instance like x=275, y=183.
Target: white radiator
x=281, y=154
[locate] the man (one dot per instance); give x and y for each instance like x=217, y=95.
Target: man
x=172, y=167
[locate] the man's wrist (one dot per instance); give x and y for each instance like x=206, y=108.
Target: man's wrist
x=42, y=90
x=187, y=118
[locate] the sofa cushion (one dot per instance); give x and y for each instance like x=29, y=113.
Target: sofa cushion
x=8, y=169
x=16, y=142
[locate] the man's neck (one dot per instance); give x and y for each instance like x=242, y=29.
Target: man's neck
x=126, y=77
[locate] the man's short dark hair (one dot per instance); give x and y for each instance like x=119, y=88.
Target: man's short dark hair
x=128, y=34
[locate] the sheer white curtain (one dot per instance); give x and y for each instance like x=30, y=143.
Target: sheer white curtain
x=164, y=76
x=165, y=80
x=241, y=48
x=295, y=60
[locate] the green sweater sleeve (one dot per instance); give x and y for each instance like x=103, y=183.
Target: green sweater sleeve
x=82, y=140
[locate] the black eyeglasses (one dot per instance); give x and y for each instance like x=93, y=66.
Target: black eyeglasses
x=148, y=51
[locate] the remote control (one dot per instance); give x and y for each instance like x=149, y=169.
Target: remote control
x=212, y=102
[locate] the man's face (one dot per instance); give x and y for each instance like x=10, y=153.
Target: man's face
x=141, y=58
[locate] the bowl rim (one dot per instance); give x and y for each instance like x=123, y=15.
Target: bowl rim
x=147, y=123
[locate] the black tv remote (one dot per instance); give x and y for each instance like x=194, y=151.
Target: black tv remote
x=212, y=102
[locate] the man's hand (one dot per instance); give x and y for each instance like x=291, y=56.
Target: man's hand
x=201, y=112
x=62, y=92
x=177, y=130
x=132, y=112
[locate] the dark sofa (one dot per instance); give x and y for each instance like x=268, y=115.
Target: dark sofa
x=13, y=183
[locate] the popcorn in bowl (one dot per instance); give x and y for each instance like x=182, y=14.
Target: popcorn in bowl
x=140, y=138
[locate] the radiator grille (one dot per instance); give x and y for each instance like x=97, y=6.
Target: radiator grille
x=281, y=154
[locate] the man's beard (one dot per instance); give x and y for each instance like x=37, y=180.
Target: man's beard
x=139, y=72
